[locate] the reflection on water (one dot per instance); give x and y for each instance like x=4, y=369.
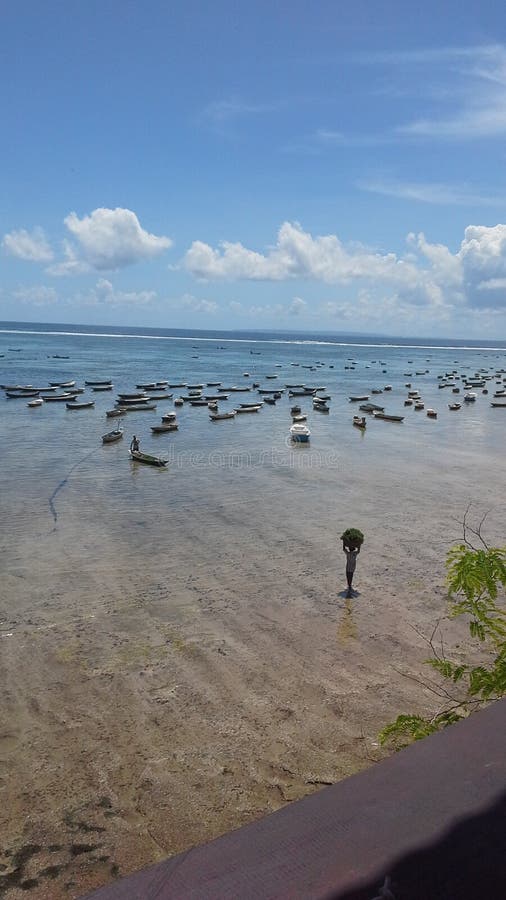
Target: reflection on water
x=346, y=626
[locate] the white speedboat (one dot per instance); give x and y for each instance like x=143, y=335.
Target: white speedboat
x=300, y=433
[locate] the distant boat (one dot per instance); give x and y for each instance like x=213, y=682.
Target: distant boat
x=17, y=395
x=217, y=417
x=62, y=384
x=112, y=413
x=419, y=404
x=371, y=407
x=140, y=407
x=146, y=458
x=165, y=426
x=60, y=398
x=388, y=417
x=169, y=417
x=178, y=401
x=355, y=398
x=454, y=406
x=470, y=397
x=38, y=401
x=300, y=433
x=498, y=404
x=88, y=404
x=248, y=409
x=432, y=414
x=112, y=436
x=94, y=383
x=359, y=421
x=102, y=387
x=299, y=419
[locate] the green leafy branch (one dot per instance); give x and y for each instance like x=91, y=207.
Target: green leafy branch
x=476, y=577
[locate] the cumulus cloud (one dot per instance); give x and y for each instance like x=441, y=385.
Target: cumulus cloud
x=105, y=294
x=427, y=275
x=33, y=246
x=106, y=240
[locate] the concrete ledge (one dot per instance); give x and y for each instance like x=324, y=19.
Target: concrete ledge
x=427, y=824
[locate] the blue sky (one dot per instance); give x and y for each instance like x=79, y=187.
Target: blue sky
x=303, y=165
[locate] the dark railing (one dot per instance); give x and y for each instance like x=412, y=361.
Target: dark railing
x=429, y=823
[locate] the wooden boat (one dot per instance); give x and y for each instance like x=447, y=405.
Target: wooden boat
x=157, y=396
x=178, y=401
x=112, y=436
x=150, y=386
x=388, y=387
x=408, y=402
x=62, y=384
x=198, y=402
x=213, y=383
x=248, y=409
x=137, y=408
x=102, y=387
x=377, y=391
x=217, y=417
x=112, y=413
x=213, y=398
x=194, y=387
x=132, y=398
x=98, y=383
x=165, y=426
x=180, y=385
x=371, y=407
x=169, y=417
x=88, y=404
x=251, y=405
x=388, y=417
x=322, y=406
x=17, y=395
x=470, y=397
x=239, y=390
x=138, y=456
x=359, y=421
x=37, y=401
x=498, y=403
x=295, y=410
x=419, y=404
x=298, y=419
x=17, y=387
x=60, y=398
x=432, y=414
x=454, y=406
x=355, y=398
x=271, y=376
x=270, y=400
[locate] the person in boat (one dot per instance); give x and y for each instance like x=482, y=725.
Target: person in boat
x=134, y=444
x=351, y=563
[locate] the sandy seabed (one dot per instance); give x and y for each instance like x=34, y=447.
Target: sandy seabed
x=168, y=677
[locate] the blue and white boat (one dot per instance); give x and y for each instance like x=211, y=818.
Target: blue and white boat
x=300, y=433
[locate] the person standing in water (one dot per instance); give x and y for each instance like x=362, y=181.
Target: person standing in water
x=351, y=563
x=134, y=444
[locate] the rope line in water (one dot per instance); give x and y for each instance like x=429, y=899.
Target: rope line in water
x=62, y=484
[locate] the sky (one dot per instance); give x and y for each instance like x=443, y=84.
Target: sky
x=309, y=166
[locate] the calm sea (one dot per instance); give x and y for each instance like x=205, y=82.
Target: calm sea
x=54, y=457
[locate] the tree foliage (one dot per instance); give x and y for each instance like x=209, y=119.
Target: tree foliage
x=476, y=580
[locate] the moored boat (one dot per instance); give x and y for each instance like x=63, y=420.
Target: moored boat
x=300, y=433
x=217, y=417
x=102, y=387
x=37, y=401
x=112, y=436
x=95, y=383
x=388, y=417
x=359, y=421
x=139, y=407
x=432, y=414
x=165, y=426
x=454, y=406
x=88, y=404
x=112, y=413
x=138, y=456
x=355, y=398
x=371, y=407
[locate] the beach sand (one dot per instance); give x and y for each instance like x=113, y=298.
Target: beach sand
x=167, y=679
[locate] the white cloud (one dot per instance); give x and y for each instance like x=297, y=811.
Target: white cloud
x=427, y=276
x=33, y=246
x=106, y=240
x=37, y=295
x=188, y=301
x=105, y=294
x=297, y=306
x=438, y=194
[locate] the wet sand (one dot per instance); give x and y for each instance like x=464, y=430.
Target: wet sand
x=167, y=678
